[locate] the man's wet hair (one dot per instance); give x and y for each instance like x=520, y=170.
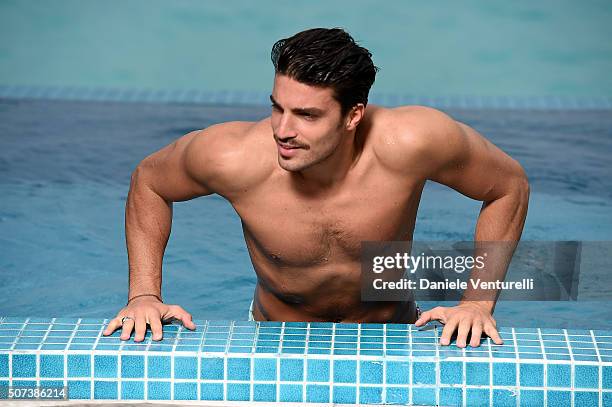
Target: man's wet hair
x=327, y=57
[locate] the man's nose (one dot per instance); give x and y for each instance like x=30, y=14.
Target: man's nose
x=286, y=129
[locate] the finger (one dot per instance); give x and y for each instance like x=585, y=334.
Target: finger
x=424, y=318
x=433, y=314
x=156, y=327
x=179, y=313
x=112, y=326
x=127, y=328
x=493, y=334
x=447, y=332
x=462, y=334
x=476, y=334
x=141, y=328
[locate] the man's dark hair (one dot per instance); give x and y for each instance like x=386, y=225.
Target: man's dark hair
x=327, y=57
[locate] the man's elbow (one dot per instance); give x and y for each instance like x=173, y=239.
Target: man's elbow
x=520, y=185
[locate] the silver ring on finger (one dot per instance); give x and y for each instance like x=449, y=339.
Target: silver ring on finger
x=124, y=318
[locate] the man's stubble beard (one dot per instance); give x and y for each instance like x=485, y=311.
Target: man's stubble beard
x=316, y=161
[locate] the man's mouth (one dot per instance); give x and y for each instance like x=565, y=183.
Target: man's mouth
x=287, y=150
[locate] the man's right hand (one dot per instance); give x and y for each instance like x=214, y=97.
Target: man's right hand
x=143, y=311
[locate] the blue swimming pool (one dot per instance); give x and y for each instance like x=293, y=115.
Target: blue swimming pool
x=64, y=176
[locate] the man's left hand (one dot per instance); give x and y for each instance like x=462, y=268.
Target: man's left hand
x=465, y=318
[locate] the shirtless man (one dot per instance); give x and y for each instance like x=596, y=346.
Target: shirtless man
x=310, y=183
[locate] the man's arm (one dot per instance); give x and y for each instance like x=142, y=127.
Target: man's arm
x=458, y=156
x=177, y=172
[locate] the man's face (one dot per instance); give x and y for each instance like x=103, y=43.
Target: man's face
x=306, y=123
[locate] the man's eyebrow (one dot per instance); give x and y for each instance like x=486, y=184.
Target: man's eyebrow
x=300, y=110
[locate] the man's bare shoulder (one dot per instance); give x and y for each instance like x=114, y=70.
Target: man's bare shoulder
x=231, y=156
x=409, y=138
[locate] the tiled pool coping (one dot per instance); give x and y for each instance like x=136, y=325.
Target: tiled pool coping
x=239, y=361
x=262, y=98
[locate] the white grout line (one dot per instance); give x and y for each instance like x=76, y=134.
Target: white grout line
x=74, y=331
x=572, y=373
x=92, y=360
x=544, y=366
x=599, y=368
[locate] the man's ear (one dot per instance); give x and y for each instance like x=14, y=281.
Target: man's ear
x=355, y=116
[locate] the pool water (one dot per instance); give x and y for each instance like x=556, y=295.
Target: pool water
x=64, y=176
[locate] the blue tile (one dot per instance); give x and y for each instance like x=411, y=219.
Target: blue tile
x=317, y=370
x=238, y=391
x=451, y=372
x=371, y=352
x=185, y=367
x=291, y=393
x=52, y=383
x=606, y=377
x=530, y=356
x=345, y=351
x=321, y=324
x=504, y=374
x=132, y=390
x=132, y=366
x=105, y=390
x=212, y=368
x=185, y=391
x=398, y=372
x=503, y=398
x=370, y=395
x=371, y=372
x=312, y=351
x=239, y=369
x=291, y=370
x=532, y=397
x=397, y=395
x=607, y=398
x=559, y=398
x=264, y=392
x=79, y=389
x=531, y=375
x=345, y=371
x=586, y=376
x=211, y=391
x=477, y=397
x=24, y=365
x=24, y=383
x=317, y=393
x=105, y=366
x=265, y=349
x=344, y=394
x=559, y=375
x=423, y=396
x=586, y=398
x=477, y=373
x=158, y=390
x=264, y=369
x=292, y=324
x=423, y=373
x=159, y=367
x=51, y=366
x=451, y=396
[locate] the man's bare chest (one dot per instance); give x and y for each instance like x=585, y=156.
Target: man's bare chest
x=290, y=229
